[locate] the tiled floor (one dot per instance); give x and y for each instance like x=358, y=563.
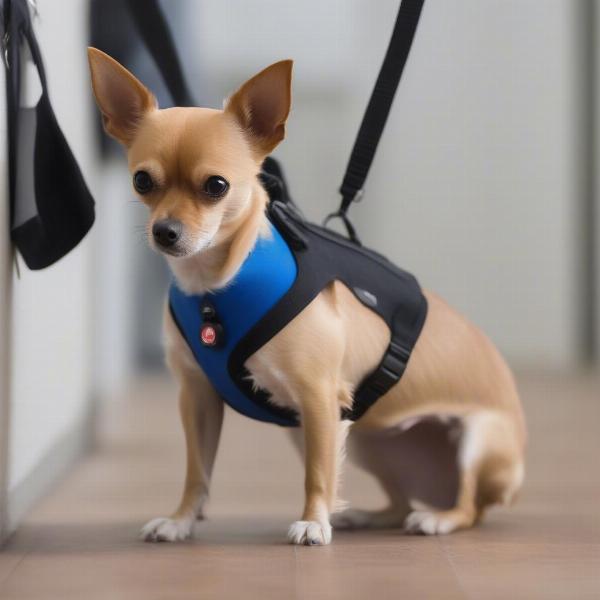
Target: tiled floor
x=81, y=541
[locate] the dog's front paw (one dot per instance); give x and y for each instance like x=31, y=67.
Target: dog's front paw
x=309, y=533
x=164, y=529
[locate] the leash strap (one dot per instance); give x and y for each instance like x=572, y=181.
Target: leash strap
x=378, y=110
x=154, y=30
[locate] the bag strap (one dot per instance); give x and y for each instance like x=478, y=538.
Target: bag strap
x=17, y=30
x=377, y=111
x=154, y=30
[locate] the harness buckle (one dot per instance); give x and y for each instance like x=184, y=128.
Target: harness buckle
x=391, y=368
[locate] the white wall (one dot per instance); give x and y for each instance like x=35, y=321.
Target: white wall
x=596, y=98
x=5, y=298
x=113, y=268
x=51, y=319
x=480, y=170
x=476, y=182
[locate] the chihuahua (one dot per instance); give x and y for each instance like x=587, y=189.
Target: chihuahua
x=446, y=442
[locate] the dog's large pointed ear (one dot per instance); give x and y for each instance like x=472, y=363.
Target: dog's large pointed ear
x=122, y=99
x=262, y=106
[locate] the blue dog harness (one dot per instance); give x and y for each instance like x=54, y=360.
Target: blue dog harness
x=265, y=276
x=282, y=274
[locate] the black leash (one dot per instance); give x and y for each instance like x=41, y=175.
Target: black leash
x=377, y=111
x=155, y=32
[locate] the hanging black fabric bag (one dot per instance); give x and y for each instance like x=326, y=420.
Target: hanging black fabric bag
x=51, y=206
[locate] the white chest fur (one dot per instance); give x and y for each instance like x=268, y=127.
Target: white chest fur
x=267, y=375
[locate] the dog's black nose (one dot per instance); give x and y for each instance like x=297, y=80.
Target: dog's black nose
x=166, y=232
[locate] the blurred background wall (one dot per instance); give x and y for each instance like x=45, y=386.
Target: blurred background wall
x=48, y=345
x=482, y=180
x=484, y=185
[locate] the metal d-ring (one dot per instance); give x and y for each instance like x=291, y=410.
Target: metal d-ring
x=340, y=214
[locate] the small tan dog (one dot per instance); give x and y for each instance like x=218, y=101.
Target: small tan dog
x=449, y=435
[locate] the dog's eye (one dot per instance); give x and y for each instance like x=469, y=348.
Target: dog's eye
x=142, y=182
x=215, y=186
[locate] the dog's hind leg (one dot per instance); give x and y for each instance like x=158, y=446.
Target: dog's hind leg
x=462, y=515
x=490, y=472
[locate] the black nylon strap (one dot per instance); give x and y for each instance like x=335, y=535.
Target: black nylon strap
x=17, y=26
x=156, y=34
x=378, y=108
x=377, y=384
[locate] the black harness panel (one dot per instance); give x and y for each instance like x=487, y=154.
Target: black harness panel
x=323, y=256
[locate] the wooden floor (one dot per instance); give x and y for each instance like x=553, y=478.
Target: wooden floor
x=81, y=541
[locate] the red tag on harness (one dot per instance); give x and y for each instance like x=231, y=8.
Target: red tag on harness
x=208, y=334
